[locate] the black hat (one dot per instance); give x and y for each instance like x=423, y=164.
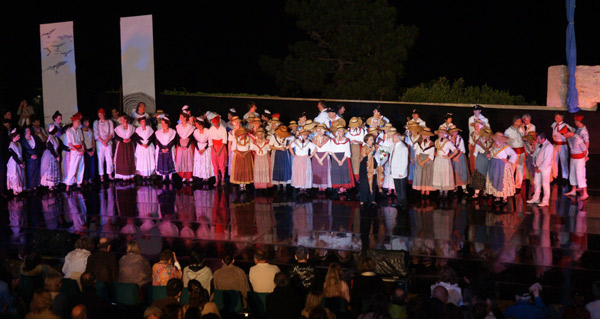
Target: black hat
x=448, y=115
x=13, y=133
x=477, y=107
x=415, y=111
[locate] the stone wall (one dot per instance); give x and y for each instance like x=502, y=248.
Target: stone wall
x=588, y=85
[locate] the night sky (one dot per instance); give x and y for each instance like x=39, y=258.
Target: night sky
x=215, y=46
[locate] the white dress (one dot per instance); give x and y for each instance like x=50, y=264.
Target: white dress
x=145, y=162
x=15, y=174
x=202, y=163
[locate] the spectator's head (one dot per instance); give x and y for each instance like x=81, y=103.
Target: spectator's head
x=197, y=256
x=260, y=256
x=104, y=244
x=596, y=289
x=313, y=300
x=174, y=287
x=227, y=259
x=172, y=311
x=41, y=301
x=577, y=299
x=333, y=280
x=281, y=279
x=452, y=311
x=366, y=264
x=318, y=313
x=193, y=313
x=448, y=275
x=84, y=242
x=53, y=282
x=398, y=295
x=198, y=295
x=79, y=312
x=167, y=256
x=133, y=248
x=440, y=293
x=152, y=312
x=88, y=280
x=301, y=254
x=32, y=260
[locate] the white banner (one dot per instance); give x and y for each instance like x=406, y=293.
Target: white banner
x=137, y=63
x=58, y=69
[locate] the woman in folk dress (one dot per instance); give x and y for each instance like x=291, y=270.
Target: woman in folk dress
x=145, y=161
x=459, y=162
x=443, y=174
x=303, y=150
x=15, y=168
x=165, y=140
x=124, y=151
x=50, y=168
x=321, y=163
x=368, y=171
x=243, y=162
x=447, y=122
x=425, y=155
x=236, y=123
x=32, y=153
x=412, y=138
x=262, y=160
x=281, y=160
x=500, y=181
x=342, y=177
x=356, y=135
x=481, y=152
x=202, y=163
x=473, y=138
x=184, y=153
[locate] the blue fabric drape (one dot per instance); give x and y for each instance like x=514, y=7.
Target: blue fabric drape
x=572, y=96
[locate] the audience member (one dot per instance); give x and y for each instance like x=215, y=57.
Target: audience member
x=262, y=274
x=231, y=277
x=166, y=269
x=524, y=308
x=199, y=299
x=435, y=305
x=303, y=275
x=133, y=267
x=321, y=313
x=102, y=264
x=172, y=311
x=449, y=281
x=334, y=286
x=284, y=302
x=198, y=271
x=314, y=299
x=76, y=260
x=95, y=305
x=174, y=288
x=378, y=308
x=576, y=310
x=79, y=312
x=60, y=304
x=152, y=312
x=367, y=283
x=594, y=306
x=41, y=306
x=33, y=266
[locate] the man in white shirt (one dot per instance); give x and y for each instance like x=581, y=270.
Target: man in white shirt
x=251, y=110
x=332, y=116
x=477, y=116
x=217, y=142
x=542, y=159
x=262, y=274
x=577, y=171
x=75, y=143
x=323, y=117
x=399, y=168
x=103, y=132
x=515, y=141
x=561, y=147
x=527, y=125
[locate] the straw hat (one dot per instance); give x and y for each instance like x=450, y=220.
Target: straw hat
x=441, y=131
x=486, y=132
x=235, y=119
x=531, y=136
x=477, y=121
x=309, y=125
x=260, y=130
x=303, y=132
x=392, y=131
x=370, y=120
x=334, y=129
x=499, y=137
x=355, y=122
x=282, y=131
x=454, y=129
x=387, y=127
x=241, y=132
x=339, y=122
x=373, y=130
x=321, y=126
x=293, y=124
x=426, y=131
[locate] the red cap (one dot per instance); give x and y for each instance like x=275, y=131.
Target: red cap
x=101, y=111
x=578, y=117
x=215, y=120
x=276, y=115
x=563, y=130
x=76, y=117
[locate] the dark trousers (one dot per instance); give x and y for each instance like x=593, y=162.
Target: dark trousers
x=90, y=166
x=400, y=185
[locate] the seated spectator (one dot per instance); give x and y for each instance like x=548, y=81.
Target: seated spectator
x=41, y=306
x=576, y=310
x=198, y=271
x=173, y=311
x=174, y=288
x=367, y=283
x=79, y=312
x=95, y=305
x=76, y=260
x=152, y=313
x=60, y=304
x=378, y=308
x=314, y=300
x=594, y=306
x=524, y=308
x=334, y=286
x=167, y=268
x=284, y=302
x=449, y=281
x=303, y=275
x=199, y=299
x=231, y=277
x=435, y=306
x=262, y=274
x=102, y=264
x=33, y=266
x=133, y=267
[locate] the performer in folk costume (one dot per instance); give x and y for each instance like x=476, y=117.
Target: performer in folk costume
x=542, y=158
x=474, y=136
x=342, y=177
x=481, y=152
x=375, y=122
x=527, y=127
x=15, y=168
x=145, y=152
x=447, y=122
x=166, y=138
x=368, y=171
x=103, y=133
x=331, y=117
x=581, y=129
x=561, y=147
x=281, y=160
x=515, y=140
x=321, y=163
x=125, y=150
x=262, y=160
x=302, y=121
x=202, y=163
x=425, y=155
x=50, y=168
x=577, y=173
x=140, y=111
x=417, y=119
x=293, y=127
x=530, y=141
x=477, y=109
x=57, y=122
x=356, y=135
x=443, y=173
x=500, y=181
x=254, y=124
x=243, y=162
x=76, y=166
x=412, y=139
x=32, y=153
x=459, y=162
x=377, y=114
x=386, y=142
x=303, y=150
x=89, y=157
x=217, y=142
x=184, y=152
x=236, y=123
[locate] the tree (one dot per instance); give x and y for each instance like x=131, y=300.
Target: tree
x=354, y=49
x=441, y=91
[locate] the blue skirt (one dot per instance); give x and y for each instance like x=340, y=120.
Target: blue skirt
x=282, y=167
x=165, y=164
x=482, y=163
x=496, y=173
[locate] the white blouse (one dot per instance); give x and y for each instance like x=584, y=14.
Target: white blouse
x=184, y=132
x=504, y=152
x=303, y=148
x=74, y=136
x=278, y=143
x=201, y=138
x=421, y=148
x=444, y=147
x=356, y=134
x=242, y=143
x=260, y=149
x=324, y=147
x=165, y=138
x=125, y=133
x=460, y=144
x=144, y=134
x=340, y=147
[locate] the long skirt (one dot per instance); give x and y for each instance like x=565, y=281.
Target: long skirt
x=15, y=176
x=262, y=171
x=461, y=173
x=145, y=163
x=164, y=163
x=423, y=178
x=443, y=174
x=203, y=165
x=321, y=172
x=480, y=172
x=500, y=180
x=124, y=160
x=302, y=172
x=184, y=161
x=341, y=176
x=367, y=194
x=33, y=172
x=243, y=168
x=530, y=165
x=282, y=167
x=355, y=154
x=412, y=165
x=388, y=181
x=50, y=171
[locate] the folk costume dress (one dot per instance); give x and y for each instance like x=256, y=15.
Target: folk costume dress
x=124, y=152
x=423, y=176
x=412, y=142
x=262, y=164
x=302, y=170
x=31, y=147
x=281, y=160
x=341, y=176
x=50, y=168
x=145, y=158
x=481, y=151
x=165, y=163
x=76, y=164
x=368, y=174
x=461, y=172
x=15, y=174
x=356, y=136
x=386, y=143
x=500, y=179
x=202, y=163
x=321, y=170
x=184, y=154
x=243, y=163
x=443, y=173
x=90, y=160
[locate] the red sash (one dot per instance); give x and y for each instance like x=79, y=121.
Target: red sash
x=578, y=156
x=217, y=142
x=519, y=150
x=560, y=143
x=78, y=146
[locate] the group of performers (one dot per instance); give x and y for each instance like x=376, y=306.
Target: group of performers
x=321, y=153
